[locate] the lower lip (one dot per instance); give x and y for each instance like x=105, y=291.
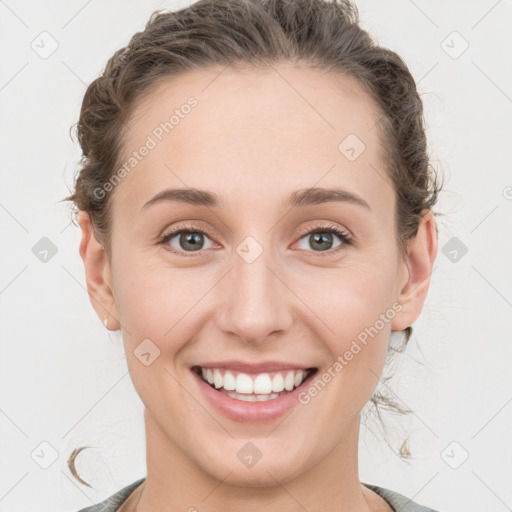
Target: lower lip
x=251, y=412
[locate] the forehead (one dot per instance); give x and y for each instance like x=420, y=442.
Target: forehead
x=258, y=130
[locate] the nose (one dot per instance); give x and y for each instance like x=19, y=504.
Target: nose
x=257, y=303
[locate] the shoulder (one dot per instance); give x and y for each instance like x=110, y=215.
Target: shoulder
x=112, y=503
x=398, y=501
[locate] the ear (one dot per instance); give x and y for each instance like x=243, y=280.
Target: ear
x=97, y=274
x=416, y=272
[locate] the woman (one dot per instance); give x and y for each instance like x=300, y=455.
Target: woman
x=255, y=203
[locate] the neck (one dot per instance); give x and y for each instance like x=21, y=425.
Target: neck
x=176, y=482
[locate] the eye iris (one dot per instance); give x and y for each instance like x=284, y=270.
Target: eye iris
x=191, y=240
x=319, y=238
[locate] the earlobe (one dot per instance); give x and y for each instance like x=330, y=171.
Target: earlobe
x=97, y=273
x=416, y=271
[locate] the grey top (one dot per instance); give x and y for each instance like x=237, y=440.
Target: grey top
x=398, y=502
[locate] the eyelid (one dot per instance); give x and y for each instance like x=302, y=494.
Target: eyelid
x=318, y=226
x=186, y=226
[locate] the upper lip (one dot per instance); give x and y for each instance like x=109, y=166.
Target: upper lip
x=267, y=366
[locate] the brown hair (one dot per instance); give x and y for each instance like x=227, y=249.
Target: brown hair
x=320, y=34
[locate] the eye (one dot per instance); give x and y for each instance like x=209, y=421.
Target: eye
x=186, y=239
x=190, y=239
x=321, y=239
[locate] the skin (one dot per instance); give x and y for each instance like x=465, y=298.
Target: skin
x=255, y=136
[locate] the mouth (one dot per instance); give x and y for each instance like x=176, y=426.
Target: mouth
x=254, y=387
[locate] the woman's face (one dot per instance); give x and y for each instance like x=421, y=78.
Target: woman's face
x=256, y=278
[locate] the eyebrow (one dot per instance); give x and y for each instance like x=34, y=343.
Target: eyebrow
x=303, y=197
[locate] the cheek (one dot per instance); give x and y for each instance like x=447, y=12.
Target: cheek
x=152, y=298
x=350, y=298
x=355, y=305
x=156, y=309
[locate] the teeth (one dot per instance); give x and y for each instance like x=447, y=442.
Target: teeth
x=217, y=379
x=289, y=381
x=262, y=385
x=229, y=381
x=243, y=383
x=277, y=383
x=251, y=398
x=209, y=376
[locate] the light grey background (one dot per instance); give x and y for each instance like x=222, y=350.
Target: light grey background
x=64, y=380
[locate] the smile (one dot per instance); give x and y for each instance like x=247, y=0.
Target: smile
x=253, y=387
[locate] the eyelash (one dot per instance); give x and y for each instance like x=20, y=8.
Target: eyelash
x=345, y=238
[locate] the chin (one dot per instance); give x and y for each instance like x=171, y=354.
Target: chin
x=250, y=467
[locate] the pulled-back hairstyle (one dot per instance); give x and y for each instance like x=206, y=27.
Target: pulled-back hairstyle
x=314, y=33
